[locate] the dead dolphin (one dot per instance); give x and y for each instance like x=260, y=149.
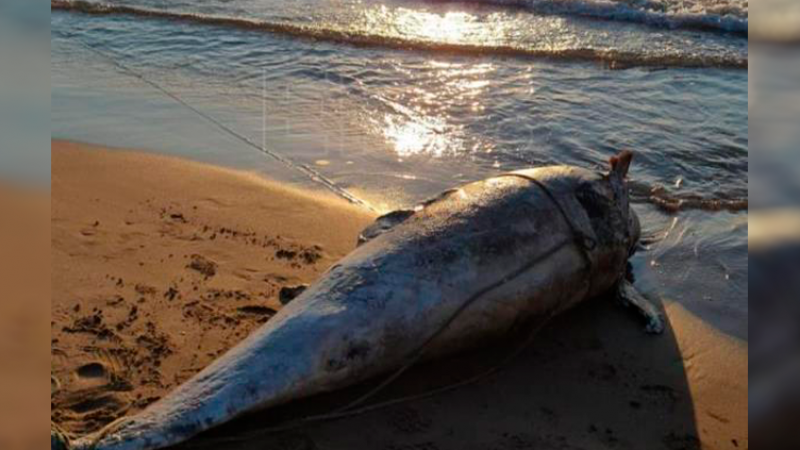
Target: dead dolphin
x=463, y=267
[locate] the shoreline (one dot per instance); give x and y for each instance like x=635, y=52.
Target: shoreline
x=160, y=264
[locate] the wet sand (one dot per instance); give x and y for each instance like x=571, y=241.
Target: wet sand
x=159, y=265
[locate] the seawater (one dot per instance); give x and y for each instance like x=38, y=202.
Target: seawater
x=394, y=101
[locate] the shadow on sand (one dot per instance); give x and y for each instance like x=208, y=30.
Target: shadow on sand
x=592, y=379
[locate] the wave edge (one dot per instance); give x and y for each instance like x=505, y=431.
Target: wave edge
x=614, y=59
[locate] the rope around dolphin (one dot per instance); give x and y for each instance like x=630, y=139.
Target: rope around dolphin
x=332, y=416
x=585, y=243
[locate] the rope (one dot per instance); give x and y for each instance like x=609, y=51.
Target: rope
x=328, y=417
x=585, y=243
x=312, y=174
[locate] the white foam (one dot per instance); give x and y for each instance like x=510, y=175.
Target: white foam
x=715, y=15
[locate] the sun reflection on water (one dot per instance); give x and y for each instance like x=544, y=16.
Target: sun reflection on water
x=429, y=118
x=448, y=27
x=444, y=27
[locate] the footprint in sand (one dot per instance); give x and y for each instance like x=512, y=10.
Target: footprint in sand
x=92, y=375
x=104, y=370
x=92, y=371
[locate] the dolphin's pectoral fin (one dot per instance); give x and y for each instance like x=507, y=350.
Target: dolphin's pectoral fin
x=384, y=223
x=630, y=297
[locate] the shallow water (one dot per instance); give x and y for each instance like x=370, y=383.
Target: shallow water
x=24, y=103
x=393, y=101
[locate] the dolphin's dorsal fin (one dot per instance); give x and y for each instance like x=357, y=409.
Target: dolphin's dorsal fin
x=620, y=163
x=383, y=224
x=388, y=221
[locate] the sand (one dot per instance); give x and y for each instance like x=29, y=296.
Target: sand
x=24, y=306
x=160, y=265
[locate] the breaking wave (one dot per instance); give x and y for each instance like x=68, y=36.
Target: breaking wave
x=721, y=18
x=613, y=58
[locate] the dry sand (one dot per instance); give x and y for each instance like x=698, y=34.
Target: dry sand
x=24, y=306
x=160, y=265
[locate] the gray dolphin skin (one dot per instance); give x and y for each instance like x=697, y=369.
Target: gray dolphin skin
x=460, y=269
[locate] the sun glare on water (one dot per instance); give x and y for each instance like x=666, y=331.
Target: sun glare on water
x=448, y=27
x=423, y=120
x=428, y=119
x=452, y=27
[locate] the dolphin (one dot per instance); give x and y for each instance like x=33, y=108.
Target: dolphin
x=462, y=268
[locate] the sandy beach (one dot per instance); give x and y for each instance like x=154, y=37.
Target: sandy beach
x=24, y=305
x=159, y=265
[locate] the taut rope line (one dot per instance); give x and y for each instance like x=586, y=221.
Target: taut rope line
x=312, y=174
